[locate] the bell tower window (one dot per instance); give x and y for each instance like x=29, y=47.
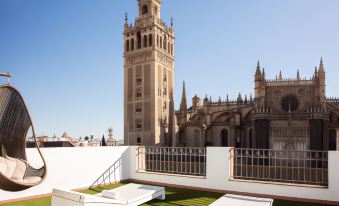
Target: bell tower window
x=145, y=41
x=150, y=41
x=139, y=39
x=127, y=45
x=144, y=9
x=132, y=44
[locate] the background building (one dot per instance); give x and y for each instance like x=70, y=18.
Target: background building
x=286, y=114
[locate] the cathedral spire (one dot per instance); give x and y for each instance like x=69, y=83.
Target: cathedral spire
x=172, y=22
x=263, y=73
x=258, y=72
x=183, y=104
x=298, y=75
x=126, y=20
x=321, y=65
x=280, y=75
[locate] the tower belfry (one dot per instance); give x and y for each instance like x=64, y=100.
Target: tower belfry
x=148, y=77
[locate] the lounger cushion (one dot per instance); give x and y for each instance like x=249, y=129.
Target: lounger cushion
x=239, y=200
x=128, y=194
x=131, y=193
x=20, y=168
x=10, y=168
x=3, y=165
x=110, y=194
x=83, y=198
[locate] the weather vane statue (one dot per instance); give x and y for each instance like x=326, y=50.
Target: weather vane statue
x=6, y=75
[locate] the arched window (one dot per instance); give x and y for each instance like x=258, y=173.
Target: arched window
x=160, y=42
x=157, y=40
x=156, y=10
x=139, y=125
x=139, y=94
x=332, y=140
x=145, y=41
x=172, y=49
x=165, y=106
x=237, y=142
x=165, y=42
x=139, y=39
x=144, y=9
x=139, y=109
x=250, y=138
x=169, y=48
x=224, y=138
x=132, y=44
x=127, y=45
x=150, y=41
x=197, y=138
x=139, y=140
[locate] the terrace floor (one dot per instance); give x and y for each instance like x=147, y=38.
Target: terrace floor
x=174, y=197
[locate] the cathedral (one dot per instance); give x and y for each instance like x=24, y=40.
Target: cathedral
x=285, y=113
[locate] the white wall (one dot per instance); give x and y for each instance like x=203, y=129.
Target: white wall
x=218, y=177
x=73, y=168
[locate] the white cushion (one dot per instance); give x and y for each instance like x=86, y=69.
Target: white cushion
x=20, y=168
x=2, y=160
x=3, y=165
x=134, y=192
x=110, y=194
x=238, y=200
x=10, y=168
x=28, y=180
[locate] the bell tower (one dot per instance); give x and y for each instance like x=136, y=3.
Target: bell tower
x=148, y=77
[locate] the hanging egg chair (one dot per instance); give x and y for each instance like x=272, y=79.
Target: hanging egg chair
x=16, y=173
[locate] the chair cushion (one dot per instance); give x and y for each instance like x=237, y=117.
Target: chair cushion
x=28, y=180
x=20, y=168
x=3, y=165
x=10, y=167
x=31, y=180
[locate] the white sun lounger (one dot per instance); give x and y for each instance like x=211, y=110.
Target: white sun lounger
x=128, y=195
x=238, y=200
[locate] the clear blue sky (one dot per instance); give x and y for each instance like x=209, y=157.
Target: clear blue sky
x=66, y=55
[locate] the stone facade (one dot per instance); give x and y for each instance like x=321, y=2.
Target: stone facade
x=148, y=77
x=285, y=114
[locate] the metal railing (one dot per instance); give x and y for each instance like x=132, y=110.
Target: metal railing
x=296, y=167
x=172, y=160
x=109, y=176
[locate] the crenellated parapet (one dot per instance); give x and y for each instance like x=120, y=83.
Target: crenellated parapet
x=332, y=99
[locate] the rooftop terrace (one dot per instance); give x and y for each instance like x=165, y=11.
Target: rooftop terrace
x=192, y=176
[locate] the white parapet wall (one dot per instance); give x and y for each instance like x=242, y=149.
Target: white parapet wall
x=74, y=168
x=218, y=178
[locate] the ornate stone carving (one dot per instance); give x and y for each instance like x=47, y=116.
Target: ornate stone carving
x=140, y=58
x=164, y=59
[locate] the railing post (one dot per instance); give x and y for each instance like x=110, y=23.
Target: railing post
x=231, y=162
x=337, y=140
x=141, y=159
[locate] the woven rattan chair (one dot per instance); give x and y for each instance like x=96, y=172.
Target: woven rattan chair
x=15, y=122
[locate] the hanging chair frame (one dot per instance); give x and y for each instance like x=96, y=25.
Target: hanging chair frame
x=17, y=149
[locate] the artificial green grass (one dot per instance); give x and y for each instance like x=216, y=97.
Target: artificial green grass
x=174, y=197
